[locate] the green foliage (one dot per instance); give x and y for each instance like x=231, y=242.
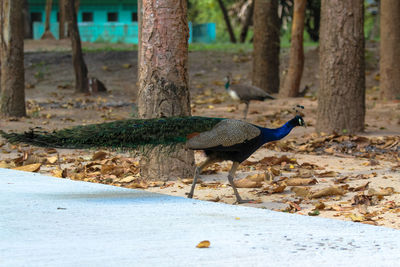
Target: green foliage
x=202, y=11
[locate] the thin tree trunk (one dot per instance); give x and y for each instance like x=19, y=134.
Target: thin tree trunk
x=291, y=86
x=266, y=45
x=47, y=33
x=61, y=21
x=341, y=95
x=12, y=96
x=389, y=50
x=27, y=18
x=247, y=22
x=163, y=81
x=227, y=21
x=81, y=72
x=77, y=4
x=140, y=18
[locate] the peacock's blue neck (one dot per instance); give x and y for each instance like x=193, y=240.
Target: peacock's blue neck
x=227, y=84
x=269, y=135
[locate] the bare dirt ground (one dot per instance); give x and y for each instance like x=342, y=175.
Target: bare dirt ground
x=337, y=176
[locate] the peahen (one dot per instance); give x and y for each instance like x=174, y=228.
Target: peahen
x=245, y=93
x=221, y=139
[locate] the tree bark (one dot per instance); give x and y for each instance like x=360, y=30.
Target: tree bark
x=292, y=81
x=341, y=96
x=389, y=50
x=81, y=72
x=12, y=99
x=62, y=19
x=163, y=81
x=247, y=22
x=47, y=33
x=266, y=45
x=227, y=21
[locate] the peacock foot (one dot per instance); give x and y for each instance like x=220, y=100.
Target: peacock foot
x=243, y=201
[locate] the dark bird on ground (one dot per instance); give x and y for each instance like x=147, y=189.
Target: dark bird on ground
x=221, y=139
x=245, y=93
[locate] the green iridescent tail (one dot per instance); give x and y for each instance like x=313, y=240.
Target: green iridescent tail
x=123, y=134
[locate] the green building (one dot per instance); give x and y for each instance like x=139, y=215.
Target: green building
x=106, y=21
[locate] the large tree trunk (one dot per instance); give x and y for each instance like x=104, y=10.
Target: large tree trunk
x=341, y=96
x=247, y=22
x=390, y=51
x=81, y=72
x=291, y=85
x=62, y=19
x=12, y=97
x=47, y=33
x=227, y=21
x=266, y=45
x=163, y=81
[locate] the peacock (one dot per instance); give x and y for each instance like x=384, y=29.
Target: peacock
x=245, y=93
x=221, y=139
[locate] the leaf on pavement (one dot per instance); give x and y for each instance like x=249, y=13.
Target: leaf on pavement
x=29, y=168
x=203, y=244
x=328, y=191
x=300, y=181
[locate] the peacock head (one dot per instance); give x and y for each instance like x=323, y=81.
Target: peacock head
x=297, y=121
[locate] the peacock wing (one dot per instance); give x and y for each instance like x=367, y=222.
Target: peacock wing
x=250, y=92
x=225, y=133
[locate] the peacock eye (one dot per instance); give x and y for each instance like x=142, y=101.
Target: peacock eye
x=300, y=121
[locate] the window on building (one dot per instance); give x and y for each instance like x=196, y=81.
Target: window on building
x=112, y=16
x=134, y=16
x=36, y=17
x=87, y=16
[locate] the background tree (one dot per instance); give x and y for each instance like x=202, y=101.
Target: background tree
x=47, y=33
x=81, y=71
x=247, y=22
x=227, y=21
x=62, y=19
x=313, y=17
x=266, y=45
x=12, y=97
x=292, y=81
x=341, y=95
x=389, y=49
x=163, y=81
x=27, y=20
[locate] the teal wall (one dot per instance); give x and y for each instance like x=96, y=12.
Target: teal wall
x=100, y=30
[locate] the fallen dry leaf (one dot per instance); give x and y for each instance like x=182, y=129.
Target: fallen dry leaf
x=127, y=179
x=203, y=244
x=99, y=155
x=301, y=191
x=360, y=188
x=356, y=218
x=59, y=173
x=52, y=160
x=327, y=174
x=387, y=191
x=29, y=168
x=300, y=181
x=328, y=191
x=247, y=183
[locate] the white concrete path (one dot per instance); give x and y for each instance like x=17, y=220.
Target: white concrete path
x=46, y=221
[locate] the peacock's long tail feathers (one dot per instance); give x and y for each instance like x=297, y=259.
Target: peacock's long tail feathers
x=123, y=134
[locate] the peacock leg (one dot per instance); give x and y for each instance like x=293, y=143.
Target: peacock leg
x=246, y=109
x=231, y=175
x=197, y=172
